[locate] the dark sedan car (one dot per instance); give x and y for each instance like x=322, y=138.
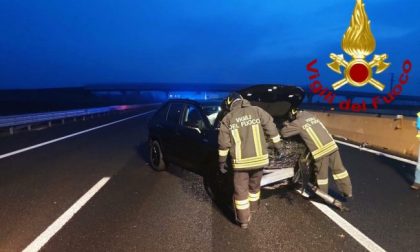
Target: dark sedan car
x=184, y=132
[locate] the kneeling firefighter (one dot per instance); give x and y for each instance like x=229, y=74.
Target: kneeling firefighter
x=242, y=134
x=323, y=148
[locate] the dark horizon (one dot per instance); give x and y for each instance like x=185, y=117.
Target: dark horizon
x=59, y=44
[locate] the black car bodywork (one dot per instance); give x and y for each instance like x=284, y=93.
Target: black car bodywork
x=184, y=132
x=181, y=133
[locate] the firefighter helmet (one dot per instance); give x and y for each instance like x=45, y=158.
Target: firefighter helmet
x=292, y=114
x=233, y=97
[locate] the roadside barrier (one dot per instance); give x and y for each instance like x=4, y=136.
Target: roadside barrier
x=417, y=174
x=28, y=120
x=390, y=134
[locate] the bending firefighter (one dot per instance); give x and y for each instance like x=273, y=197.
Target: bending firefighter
x=242, y=134
x=323, y=148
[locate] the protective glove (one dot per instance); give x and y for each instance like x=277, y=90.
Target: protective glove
x=277, y=153
x=278, y=148
x=222, y=168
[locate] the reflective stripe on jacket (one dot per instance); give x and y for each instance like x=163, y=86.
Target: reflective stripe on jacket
x=242, y=134
x=313, y=132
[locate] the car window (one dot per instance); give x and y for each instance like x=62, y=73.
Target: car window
x=193, y=118
x=211, y=112
x=175, y=111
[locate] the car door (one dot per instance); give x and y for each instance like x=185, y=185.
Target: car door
x=171, y=135
x=194, y=137
x=157, y=123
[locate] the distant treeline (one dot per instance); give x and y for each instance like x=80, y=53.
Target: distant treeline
x=56, y=99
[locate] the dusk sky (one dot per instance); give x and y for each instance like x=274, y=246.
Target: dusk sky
x=73, y=43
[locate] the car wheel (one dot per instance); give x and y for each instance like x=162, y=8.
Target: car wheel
x=156, y=156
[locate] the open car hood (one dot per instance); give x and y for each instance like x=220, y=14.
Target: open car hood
x=275, y=99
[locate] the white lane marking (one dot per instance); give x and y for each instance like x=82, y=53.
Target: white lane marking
x=378, y=152
x=349, y=228
x=43, y=238
x=69, y=136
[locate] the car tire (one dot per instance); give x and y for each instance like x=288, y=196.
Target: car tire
x=156, y=157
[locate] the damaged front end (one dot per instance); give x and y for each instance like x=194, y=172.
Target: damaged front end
x=294, y=164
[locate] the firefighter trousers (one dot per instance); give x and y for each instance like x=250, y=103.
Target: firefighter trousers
x=246, y=194
x=340, y=174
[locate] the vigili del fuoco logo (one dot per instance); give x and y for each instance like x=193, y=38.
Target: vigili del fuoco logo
x=358, y=42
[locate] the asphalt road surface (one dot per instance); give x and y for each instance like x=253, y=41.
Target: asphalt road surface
x=137, y=209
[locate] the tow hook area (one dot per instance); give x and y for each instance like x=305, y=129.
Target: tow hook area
x=329, y=199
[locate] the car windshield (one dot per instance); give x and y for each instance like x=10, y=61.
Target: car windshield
x=211, y=112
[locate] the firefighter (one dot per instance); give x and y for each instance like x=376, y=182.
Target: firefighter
x=242, y=135
x=416, y=184
x=323, y=148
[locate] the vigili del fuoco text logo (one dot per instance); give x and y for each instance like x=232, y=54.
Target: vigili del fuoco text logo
x=358, y=42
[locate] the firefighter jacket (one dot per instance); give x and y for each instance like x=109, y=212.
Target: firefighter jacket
x=242, y=134
x=313, y=132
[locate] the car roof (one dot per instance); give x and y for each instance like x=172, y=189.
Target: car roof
x=276, y=99
x=197, y=102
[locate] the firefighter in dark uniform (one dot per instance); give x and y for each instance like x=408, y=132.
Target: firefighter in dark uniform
x=323, y=148
x=242, y=135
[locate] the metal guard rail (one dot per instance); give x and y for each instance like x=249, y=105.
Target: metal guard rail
x=25, y=119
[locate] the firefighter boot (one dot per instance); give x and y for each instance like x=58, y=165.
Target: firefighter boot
x=242, y=212
x=255, y=205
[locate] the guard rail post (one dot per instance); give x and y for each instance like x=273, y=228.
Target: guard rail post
x=417, y=175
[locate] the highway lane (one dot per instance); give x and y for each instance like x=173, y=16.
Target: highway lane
x=39, y=185
x=139, y=209
x=384, y=207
